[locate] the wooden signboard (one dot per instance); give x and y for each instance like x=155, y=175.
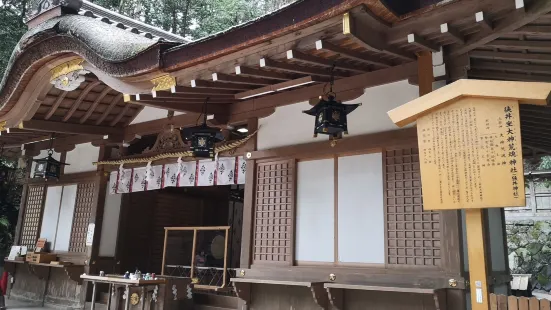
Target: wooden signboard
x=471, y=155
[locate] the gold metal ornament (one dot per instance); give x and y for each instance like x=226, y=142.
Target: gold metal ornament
x=332, y=277
x=242, y=273
x=164, y=82
x=66, y=68
x=134, y=299
x=452, y=282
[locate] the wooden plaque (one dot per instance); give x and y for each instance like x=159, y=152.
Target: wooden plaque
x=471, y=155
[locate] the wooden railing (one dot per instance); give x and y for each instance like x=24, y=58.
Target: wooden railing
x=502, y=302
x=193, y=268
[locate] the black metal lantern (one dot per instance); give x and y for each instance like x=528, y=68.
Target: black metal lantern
x=331, y=115
x=203, y=138
x=48, y=167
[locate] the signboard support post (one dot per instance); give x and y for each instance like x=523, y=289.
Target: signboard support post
x=477, y=259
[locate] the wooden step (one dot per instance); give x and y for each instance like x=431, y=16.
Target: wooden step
x=205, y=307
x=224, y=302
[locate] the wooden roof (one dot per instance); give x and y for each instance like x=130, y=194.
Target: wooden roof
x=279, y=59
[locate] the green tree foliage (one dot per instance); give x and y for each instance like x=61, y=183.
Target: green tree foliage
x=12, y=28
x=10, y=199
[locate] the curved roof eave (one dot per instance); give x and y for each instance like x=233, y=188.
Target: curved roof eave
x=114, y=51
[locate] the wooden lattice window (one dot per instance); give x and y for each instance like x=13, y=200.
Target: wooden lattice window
x=413, y=235
x=84, y=206
x=32, y=217
x=274, y=212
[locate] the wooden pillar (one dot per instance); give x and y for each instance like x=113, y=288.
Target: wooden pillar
x=425, y=75
x=474, y=220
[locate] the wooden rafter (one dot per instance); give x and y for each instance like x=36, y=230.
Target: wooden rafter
x=241, y=70
x=49, y=126
x=373, y=40
x=451, y=33
x=81, y=97
x=520, y=44
x=113, y=103
x=483, y=22
x=183, y=107
x=422, y=43
x=95, y=104
x=320, y=61
x=493, y=75
x=499, y=66
x=276, y=87
x=351, y=54
x=512, y=21
x=219, y=85
x=120, y=115
x=510, y=56
x=532, y=30
x=202, y=91
x=54, y=107
x=168, y=97
x=268, y=63
x=240, y=79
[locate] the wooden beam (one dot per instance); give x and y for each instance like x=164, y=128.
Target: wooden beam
x=520, y=44
x=156, y=126
x=251, y=107
x=500, y=66
x=49, y=126
x=81, y=97
x=109, y=108
x=240, y=79
x=268, y=63
x=483, y=22
x=241, y=70
x=477, y=259
x=320, y=61
x=276, y=87
x=54, y=107
x=60, y=142
x=372, y=41
x=202, y=91
x=514, y=20
x=451, y=33
x=120, y=115
x=532, y=30
x=169, y=97
x=426, y=77
x=351, y=54
x=218, y=85
x=510, y=56
x=95, y=104
x=183, y=107
x=493, y=75
x=421, y=43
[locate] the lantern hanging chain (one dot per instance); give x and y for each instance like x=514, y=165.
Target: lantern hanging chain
x=51, y=150
x=204, y=112
x=331, y=82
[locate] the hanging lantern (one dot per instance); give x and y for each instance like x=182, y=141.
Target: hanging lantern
x=48, y=167
x=331, y=115
x=203, y=138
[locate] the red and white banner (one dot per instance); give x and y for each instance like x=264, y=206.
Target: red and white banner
x=223, y=171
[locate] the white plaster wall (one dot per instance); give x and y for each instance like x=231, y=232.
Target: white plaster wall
x=65, y=223
x=81, y=158
x=151, y=114
x=43, y=153
x=51, y=214
x=289, y=126
x=315, y=211
x=110, y=226
x=361, y=209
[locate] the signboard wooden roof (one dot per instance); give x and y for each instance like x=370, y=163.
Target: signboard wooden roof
x=470, y=149
x=523, y=92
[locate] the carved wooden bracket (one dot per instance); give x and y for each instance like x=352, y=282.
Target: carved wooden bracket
x=243, y=291
x=74, y=272
x=319, y=294
x=440, y=299
x=40, y=272
x=335, y=298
